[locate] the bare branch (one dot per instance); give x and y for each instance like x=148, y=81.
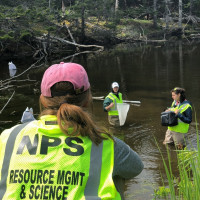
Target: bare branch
x=72, y=43
x=4, y=82
x=76, y=54
x=79, y=45
x=6, y=87
x=7, y=102
x=71, y=36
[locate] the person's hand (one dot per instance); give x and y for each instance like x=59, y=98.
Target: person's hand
x=176, y=111
x=110, y=106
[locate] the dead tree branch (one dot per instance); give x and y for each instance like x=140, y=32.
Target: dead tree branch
x=71, y=36
x=72, y=43
x=78, y=45
x=7, y=102
x=76, y=54
x=7, y=81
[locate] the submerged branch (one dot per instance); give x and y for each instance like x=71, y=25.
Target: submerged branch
x=7, y=102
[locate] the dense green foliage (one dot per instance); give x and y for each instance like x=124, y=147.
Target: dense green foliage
x=106, y=8
x=104, y=21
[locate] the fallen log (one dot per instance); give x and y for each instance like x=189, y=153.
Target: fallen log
x=54, y=38
x=77, y=45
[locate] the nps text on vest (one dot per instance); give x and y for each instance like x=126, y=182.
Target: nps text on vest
x=49, y=183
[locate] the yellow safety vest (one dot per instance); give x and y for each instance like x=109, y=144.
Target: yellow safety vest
x=38, y=161
x=182, y=127
x=113, y=110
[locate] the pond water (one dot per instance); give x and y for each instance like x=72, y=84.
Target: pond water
x=145, y=73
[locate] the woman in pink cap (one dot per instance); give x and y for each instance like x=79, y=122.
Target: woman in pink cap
x=64, y=154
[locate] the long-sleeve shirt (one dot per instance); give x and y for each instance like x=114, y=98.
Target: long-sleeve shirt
x=108, y=101
x=186, y=116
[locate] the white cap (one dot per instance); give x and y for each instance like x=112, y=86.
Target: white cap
x=115, y=84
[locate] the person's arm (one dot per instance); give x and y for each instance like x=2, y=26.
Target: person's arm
x=127, y=163
x=186, y=116
x=107, y=104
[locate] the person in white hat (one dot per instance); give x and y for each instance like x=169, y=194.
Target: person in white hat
x=110, y=104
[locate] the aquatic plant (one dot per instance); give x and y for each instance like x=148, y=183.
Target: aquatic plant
x=187, y=185
x=161, y=192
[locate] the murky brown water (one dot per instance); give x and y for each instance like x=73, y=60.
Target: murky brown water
x=146, y=74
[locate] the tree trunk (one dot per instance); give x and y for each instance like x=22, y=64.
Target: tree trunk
x=180, y=14
x=116, y=5
x=167, y=14
x=82, y=21
x=125, y=3
x=155, y=14
x=105, y=13
x=181, y=63
x=191, y=4
x=63, y=8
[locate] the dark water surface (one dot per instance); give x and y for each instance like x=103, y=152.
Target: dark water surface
x=146, y=74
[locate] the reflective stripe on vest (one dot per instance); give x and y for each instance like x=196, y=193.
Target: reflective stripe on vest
x=7, y=157
x=91, y=189
x=113, y=110
x=182, y=127
x=45, y=164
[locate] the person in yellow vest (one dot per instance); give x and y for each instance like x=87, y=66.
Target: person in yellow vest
x=183, y=109
x=64, y=154
x=110, y=104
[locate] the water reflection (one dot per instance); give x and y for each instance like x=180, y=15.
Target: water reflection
x=147, y=74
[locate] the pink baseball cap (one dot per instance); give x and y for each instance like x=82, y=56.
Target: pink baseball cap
x=72, y=72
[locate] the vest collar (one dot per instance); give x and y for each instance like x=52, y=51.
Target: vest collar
x=48, y=123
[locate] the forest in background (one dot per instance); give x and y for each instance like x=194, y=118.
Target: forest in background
x=47, y=27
